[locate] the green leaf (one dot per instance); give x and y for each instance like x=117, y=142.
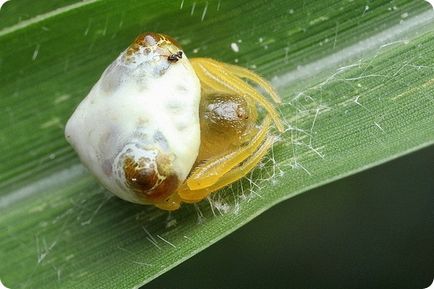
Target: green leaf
x=356, y=80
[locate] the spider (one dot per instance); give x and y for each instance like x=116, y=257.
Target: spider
x=159, y=129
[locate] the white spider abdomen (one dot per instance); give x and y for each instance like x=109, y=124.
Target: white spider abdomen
x=138, y=129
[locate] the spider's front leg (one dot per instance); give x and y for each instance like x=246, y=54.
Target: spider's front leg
x=222, y=170
x=232, y=143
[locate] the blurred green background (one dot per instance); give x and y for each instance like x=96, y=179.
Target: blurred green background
x=371, y=230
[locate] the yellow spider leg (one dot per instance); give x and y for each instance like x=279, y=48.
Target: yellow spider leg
x=213, y=74
x=245, y=73
x=209, y=173
x=192, y=196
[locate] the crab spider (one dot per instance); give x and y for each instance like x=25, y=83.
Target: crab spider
x=159, y=129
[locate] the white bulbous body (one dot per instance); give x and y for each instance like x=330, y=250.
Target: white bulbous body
x=138, y=128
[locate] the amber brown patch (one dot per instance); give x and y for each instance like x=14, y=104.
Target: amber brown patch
x=169, y=39
x=150, y=183
x=139, y=177
x=165, y=188
x=151, y=39
x=148, y=39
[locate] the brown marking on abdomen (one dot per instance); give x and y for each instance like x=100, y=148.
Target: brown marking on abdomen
x=148, y=179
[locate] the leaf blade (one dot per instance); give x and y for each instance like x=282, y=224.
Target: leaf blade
x=334, y=128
